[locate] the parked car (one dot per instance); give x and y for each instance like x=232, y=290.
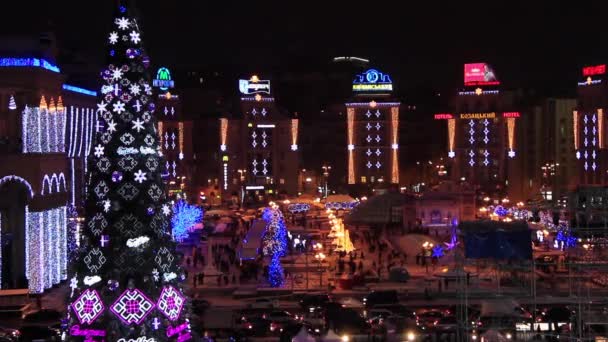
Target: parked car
x=445, y=324
x=264, y=303
x=8, y=334
x=380, y=297
x=428, y=317
x=279, y=316
x=255, y=326
x=314, y=300
x=43, y=316
x=38, y=333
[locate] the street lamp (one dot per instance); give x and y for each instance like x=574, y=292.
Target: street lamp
x=320, y=256
x=326, y=169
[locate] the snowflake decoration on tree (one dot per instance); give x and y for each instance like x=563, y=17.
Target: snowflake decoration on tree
x=119, y=107
x=111, y=126
x=135, y=89
x=135, y=37
x=140, y=176
x=123, y=23
x=113, y=38
x=116, y=74
x=166, y=210
x=106, y=206
x=98, y=151
x=138, y=125
x=101, y=107
x=155, y=274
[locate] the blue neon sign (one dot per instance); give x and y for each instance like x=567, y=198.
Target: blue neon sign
x=372, y=81
x=28, y=62
x=79, y=90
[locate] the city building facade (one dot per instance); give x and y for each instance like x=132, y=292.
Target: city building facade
x=258, y=147
x=372, y=125
x=46, y=129
x=482, y=134
x=589, y=125
x=175, y=132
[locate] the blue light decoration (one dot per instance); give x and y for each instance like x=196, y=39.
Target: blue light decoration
x=28, y=62
x=79, y=90
x=501, y=211
x=437, y=252
x=566, y=239
x=372, y=81
x=184, y=216
x=275, y=271
x=274, y=243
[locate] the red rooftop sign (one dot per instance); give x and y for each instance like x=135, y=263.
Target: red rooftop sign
x=594, y=70
x=443, y=116
x=510, y=115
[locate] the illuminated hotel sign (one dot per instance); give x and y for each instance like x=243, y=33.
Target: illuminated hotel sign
x=510, y=115
x=594, y=70
x=491, y=115
x=443, y=116
x=254, y=86
x=479, y=74
x=372, y=81
x=163, y=79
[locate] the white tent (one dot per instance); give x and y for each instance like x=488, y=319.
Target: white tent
x=303, y=336
x=331, y=336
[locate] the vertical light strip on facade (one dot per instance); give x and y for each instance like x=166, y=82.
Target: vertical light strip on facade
x=350, y=119
x=600, y=127
x=451, y=136
x=181, y=139
x=294, y=134
x=511, y=131
x=395, y=144
x=223, y=133
x=160, y=132
x=575, y=126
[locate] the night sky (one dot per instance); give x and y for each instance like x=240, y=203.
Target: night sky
x=538, y=44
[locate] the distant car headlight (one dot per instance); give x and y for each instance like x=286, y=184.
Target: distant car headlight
x=411, y=336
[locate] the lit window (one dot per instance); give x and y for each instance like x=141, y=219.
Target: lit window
x=372, y=179
x=363, y=179
x=234, y=181
x=282, y=181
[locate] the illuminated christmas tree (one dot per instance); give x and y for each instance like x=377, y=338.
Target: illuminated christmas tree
x=126, y=283
x=274, y=243
x=184, y=217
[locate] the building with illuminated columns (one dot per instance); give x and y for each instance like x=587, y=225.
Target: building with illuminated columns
x=589, y=124
x=175, y=134
x=259, y=146
x=46, y=133
x=372, y=125
x=482, y=138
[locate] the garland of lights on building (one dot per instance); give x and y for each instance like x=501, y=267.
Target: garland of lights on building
x=294, y=134
x=350, y=119
x=44, y=128
x=46, y=248
x=395, y=144
x=223, y=133
x=511, y=136
x=451, y=136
